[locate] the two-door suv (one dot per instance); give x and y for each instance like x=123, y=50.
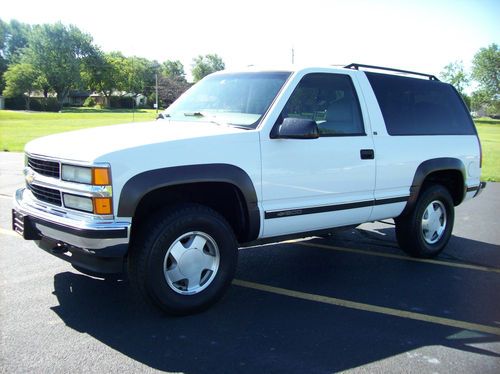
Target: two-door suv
x=245, y=157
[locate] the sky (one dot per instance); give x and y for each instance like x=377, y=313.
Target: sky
x=419, y=35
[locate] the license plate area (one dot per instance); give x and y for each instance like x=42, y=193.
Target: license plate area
x=23, y=225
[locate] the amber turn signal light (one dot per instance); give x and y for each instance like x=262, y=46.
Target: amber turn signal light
x=103, y=205
x=101, y=177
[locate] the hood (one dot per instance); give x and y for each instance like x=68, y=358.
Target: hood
x=90, y=144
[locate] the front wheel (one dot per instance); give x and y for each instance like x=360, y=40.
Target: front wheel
x=425, y=231
x=185, y=260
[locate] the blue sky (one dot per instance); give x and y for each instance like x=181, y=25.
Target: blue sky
x=417, y=35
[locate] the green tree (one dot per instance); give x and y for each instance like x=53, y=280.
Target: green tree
x=21, y=80
x=105, y=74
x=173, y=69
x=17, y=35
x=486, y=69
x=13, y=38
x=3, y=60
x=205, y=65
x=455, y=74
x=138, y=75
x=479, y=99
x=60, y=53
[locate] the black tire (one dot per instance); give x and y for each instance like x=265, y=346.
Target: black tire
x=158, y=251
x=415, y=235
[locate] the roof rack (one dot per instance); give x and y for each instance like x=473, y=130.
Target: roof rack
x=357, y=66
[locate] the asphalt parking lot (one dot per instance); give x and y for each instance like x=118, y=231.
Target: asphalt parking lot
x=352, y=302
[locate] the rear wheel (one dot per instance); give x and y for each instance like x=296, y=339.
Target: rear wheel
x=425, y=231
x=185, y=259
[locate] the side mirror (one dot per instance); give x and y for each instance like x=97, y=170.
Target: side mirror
x=298, y=128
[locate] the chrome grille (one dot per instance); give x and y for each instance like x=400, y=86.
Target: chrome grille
x=44, y=167
x=45, y=194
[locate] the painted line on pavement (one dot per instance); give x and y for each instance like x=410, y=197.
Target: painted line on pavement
x=370, y=308
x=397, y=257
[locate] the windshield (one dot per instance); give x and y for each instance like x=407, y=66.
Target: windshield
x=239, y=99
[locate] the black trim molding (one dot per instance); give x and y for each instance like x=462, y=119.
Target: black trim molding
x=84, y=233
x=426, y=168
x=141, y=184
x=333, y=208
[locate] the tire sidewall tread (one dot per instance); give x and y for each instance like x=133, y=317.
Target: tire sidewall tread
x=409, y=227
x=152, y=243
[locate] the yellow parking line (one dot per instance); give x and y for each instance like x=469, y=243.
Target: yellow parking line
x=9, y=233
x=370, y=308
x=398, y=257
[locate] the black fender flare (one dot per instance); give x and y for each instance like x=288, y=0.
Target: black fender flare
x=141, y=184
x=425, y=169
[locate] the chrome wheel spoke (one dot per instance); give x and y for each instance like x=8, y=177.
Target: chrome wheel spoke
x=191, y=263
x=193, y=282
x=197, y=242
x=433, y=222
x=177, y=250
x=175, y=275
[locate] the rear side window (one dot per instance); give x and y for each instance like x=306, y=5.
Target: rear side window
x=412, y=106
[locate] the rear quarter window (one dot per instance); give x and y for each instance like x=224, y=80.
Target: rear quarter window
x=412, y=106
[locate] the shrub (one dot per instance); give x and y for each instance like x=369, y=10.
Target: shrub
x=15, y=103
x=89, y=102
x=121, y=102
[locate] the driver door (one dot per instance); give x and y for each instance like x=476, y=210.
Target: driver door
x=319, y=183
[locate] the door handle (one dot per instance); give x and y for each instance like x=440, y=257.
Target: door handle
x=367, y=154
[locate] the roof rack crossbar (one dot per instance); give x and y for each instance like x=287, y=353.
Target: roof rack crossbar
x=357, y=66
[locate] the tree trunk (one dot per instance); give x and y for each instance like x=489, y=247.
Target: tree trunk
x=28, y=99
x=61, y=95
x=107, y=100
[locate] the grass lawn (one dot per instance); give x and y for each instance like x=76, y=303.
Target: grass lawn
x=489, y=133
x=17, y=128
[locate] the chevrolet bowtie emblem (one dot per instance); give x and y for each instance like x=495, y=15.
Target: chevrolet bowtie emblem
x=29, y=175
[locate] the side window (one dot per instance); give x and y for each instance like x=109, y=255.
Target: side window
x=412, y=106
x=328, y=99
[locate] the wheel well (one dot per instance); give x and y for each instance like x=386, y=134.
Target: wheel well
x=225, y=198
x=453, y=180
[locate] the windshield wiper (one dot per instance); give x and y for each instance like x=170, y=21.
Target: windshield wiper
x=213, y=120
x=194, y=114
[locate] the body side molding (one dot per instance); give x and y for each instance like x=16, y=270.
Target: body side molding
x=333, y=208
x=141, y=184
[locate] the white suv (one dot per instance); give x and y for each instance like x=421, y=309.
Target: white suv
x=251, y=156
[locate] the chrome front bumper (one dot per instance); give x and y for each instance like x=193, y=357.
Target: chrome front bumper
x=101, y=237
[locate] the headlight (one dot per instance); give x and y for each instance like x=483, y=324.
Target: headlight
x=96, y=205
x=81, y=174
x=78, y=203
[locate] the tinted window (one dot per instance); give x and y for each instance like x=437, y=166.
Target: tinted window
x=328, y=99
x=232, y=98
x=412, y=106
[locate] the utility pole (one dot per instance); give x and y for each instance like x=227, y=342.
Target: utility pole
x=156, y=88
x=293, y=56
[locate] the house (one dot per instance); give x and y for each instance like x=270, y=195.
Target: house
x=76, y=98
x=2, y=102
x=139, y=99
